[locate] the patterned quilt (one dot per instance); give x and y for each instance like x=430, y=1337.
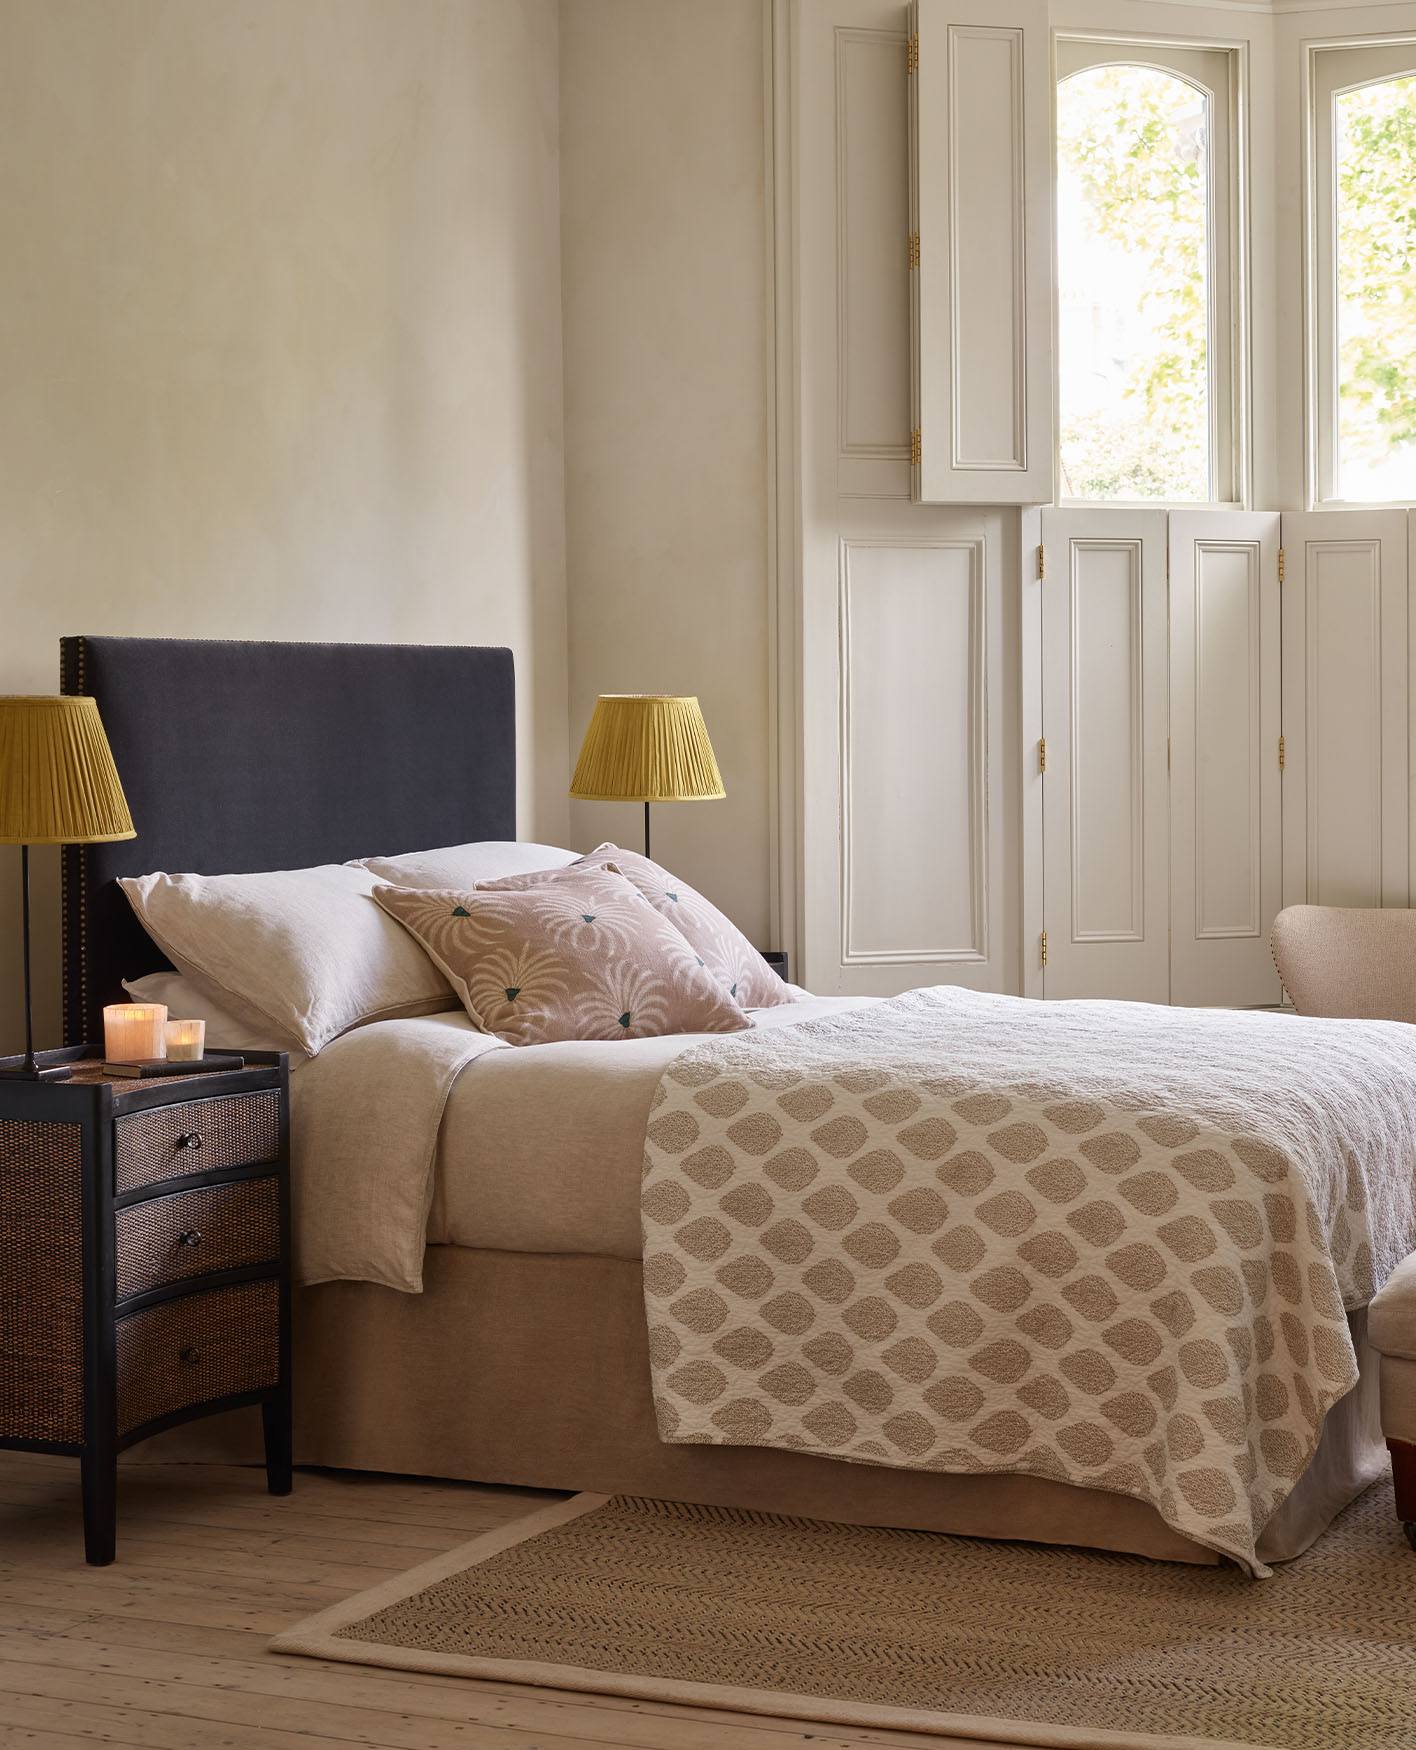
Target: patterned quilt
x=1107, y=1243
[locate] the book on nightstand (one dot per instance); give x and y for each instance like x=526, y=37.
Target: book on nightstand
x=175, y=1066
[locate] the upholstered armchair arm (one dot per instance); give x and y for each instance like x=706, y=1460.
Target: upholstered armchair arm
x=1348, y=960
x=1391, y=1331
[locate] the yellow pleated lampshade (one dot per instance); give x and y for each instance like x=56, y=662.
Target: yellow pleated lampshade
x=646, y=747
x=58, y=782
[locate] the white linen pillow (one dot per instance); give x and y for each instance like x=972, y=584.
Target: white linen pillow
x=305, y=952
x=186, y=1000
x=466, y=865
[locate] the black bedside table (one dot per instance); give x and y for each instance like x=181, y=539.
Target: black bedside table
x=144, y=1263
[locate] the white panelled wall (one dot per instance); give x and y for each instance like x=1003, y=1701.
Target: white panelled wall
x=1085, y=751
x=910, y=782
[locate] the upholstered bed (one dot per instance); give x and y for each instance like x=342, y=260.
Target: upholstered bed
x=525, y=1357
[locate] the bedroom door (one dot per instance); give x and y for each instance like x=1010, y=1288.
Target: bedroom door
x=1226, y=797
x=1106, y=886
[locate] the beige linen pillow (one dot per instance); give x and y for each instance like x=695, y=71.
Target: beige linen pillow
x=576, y=957
x=302, y=953
x=186, y=1000
x=719, y=944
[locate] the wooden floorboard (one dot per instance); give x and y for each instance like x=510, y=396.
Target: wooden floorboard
x=167, y=1649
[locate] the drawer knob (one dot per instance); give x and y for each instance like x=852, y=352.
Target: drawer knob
x=193, y=1139
x=189, y=1355
x=190, y=1238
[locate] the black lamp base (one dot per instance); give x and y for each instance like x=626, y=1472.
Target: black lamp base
x=59, y=1072
x=28, y=1069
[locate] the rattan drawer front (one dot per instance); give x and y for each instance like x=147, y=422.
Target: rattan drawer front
x=197, y=1348
x=193, y=1233
x=195, y=1136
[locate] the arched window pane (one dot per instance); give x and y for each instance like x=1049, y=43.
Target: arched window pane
x=1374, y=136
x=1133, y=202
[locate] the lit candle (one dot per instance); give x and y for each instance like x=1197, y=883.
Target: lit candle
x=134, y=1031
x=186, y=1039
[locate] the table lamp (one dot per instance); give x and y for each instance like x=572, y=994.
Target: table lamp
x=646, y=747
x=58, y=786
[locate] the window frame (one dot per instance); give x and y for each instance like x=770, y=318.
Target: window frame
x=1231, y=459
x=1323, y=83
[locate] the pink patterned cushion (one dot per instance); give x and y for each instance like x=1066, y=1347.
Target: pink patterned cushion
x=717, y=941
x=580, y=957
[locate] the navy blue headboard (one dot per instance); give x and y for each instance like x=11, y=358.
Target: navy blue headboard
x=244, y=756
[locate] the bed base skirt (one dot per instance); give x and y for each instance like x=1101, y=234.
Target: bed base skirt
x=533, y=1369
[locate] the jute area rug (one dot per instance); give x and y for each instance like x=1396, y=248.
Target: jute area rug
x=1011, y=1643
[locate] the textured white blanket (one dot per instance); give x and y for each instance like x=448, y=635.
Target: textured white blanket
x=1104, y=1242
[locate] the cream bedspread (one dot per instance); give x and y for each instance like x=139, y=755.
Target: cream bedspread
x=1103, y=1242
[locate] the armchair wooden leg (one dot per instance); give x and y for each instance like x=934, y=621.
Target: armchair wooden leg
x=1403, y=1470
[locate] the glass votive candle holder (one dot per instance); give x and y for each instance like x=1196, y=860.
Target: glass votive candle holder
x=134, y=1032
x=186, y=1040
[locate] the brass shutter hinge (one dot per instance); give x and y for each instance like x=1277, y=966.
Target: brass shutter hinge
x=1282, y=753
x=914, y=249
x=911, y=54
x=1042, y=561
x=1042, y=754
x=1282, y=565
x=916, y=447
x=1043, y=945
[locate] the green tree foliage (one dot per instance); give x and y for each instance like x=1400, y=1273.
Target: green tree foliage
x=1132, y=165
x=1375, y=137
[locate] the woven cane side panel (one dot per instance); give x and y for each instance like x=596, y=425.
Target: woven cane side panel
x=193, y=1350
x=195, y=1136
x=192, y=1233
x=41, y=1281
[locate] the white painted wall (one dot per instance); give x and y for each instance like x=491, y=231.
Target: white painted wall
x=280, y=345
x=665, y=319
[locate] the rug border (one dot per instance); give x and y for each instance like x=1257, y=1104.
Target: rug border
x=316, y=1637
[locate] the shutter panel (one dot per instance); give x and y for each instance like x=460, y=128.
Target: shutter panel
x=981, y=107
x=1226, y=819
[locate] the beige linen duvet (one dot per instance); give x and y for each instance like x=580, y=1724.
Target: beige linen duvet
x=1107, y=1243
x=426, y=1132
